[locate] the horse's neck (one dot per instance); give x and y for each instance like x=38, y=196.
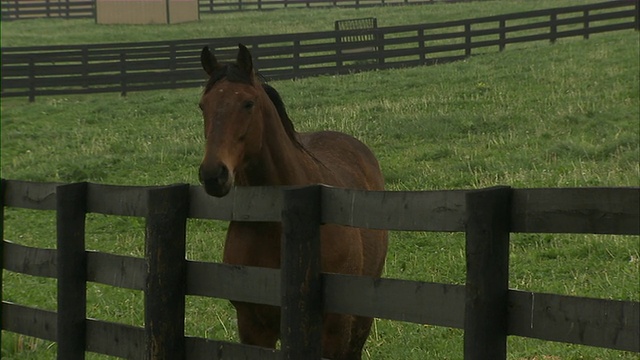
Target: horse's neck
x=281, y=161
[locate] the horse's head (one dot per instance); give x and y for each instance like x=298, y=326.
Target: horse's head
x=232, y=106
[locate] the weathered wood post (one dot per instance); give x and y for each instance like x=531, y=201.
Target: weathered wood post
x=487, y=287
x=467, y=39
x=637, y=17
x=32, y=79
x=164, y=296
x=301, y=316
x=3, y=186
x=503, y=34
x=123, y=74
x=553, y=30
x=71, y=209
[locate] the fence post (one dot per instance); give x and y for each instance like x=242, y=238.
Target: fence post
x=467, y=39
x=487, y=286
x=379, y=39
x=301, y=315
x=554, y=28
x=173, y=64
x=586, y=24
x=338, y=47
x=85, y=66
x=32, y=79
x=296, y=58
x=123, y=74
x=503, y=34
x=421, y=47
x=637, y=17
x=164, y=295
x=3, y=186
x=71, y=208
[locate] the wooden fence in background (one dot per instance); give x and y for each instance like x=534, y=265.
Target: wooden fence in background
x=33, y=9
x=222, y=6
x=74, y=69
x=78, y=9
x=485, y=307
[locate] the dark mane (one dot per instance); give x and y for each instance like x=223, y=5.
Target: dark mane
x=233, y=74
x=282, y=113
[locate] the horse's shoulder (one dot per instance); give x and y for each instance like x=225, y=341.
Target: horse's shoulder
x=347, y=157
x=328, y=140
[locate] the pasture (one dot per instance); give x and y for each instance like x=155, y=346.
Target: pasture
x=560, y=115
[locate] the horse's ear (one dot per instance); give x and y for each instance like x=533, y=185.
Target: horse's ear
x=244, y=61
x=208, y=60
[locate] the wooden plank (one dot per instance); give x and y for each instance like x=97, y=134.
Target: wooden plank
x=597, y=29
x=241, y=204
x=3, y=186
x=397, y=210
x=236, y=283
x=577, y=210
x=164, y=294
x=71, y=202
x=29, y=260
x=393, y=299
x=29, y=321
x=419, y=302
x=487, y=285
x=603, y=323
x=300, y=281
x=114, y=339
x=206, y=349
x=30, y=195
x=116, y=270
x=117, y=200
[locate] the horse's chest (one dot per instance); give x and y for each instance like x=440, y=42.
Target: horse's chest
x=253, y=244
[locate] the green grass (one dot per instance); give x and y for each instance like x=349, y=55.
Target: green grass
x=544, y=116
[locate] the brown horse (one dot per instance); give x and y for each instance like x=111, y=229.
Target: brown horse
x=250, y=141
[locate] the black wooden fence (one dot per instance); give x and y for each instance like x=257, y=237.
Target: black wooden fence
x=78, y=9
x=485, y=307
x=32, y=9
x=73, y=69
x=220, y=6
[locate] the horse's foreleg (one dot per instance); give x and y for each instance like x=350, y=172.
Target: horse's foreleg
x=359, y=334
x=336, y=331
x=258, y=324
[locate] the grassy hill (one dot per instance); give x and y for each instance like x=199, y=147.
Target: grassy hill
x=558, y=115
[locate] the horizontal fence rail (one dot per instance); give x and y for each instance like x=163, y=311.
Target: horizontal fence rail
x=79, y=69
x=565, y=210
x=604, y=323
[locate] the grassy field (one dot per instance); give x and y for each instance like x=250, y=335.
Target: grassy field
x=558, y=115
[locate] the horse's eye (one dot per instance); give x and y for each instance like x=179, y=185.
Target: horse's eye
x=248, y=105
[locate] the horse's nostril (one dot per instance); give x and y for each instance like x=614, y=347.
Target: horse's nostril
x=223, y=175
x=216, y=180
x=219, y=174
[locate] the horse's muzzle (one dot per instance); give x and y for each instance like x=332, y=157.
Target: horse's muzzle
x=216, y=180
